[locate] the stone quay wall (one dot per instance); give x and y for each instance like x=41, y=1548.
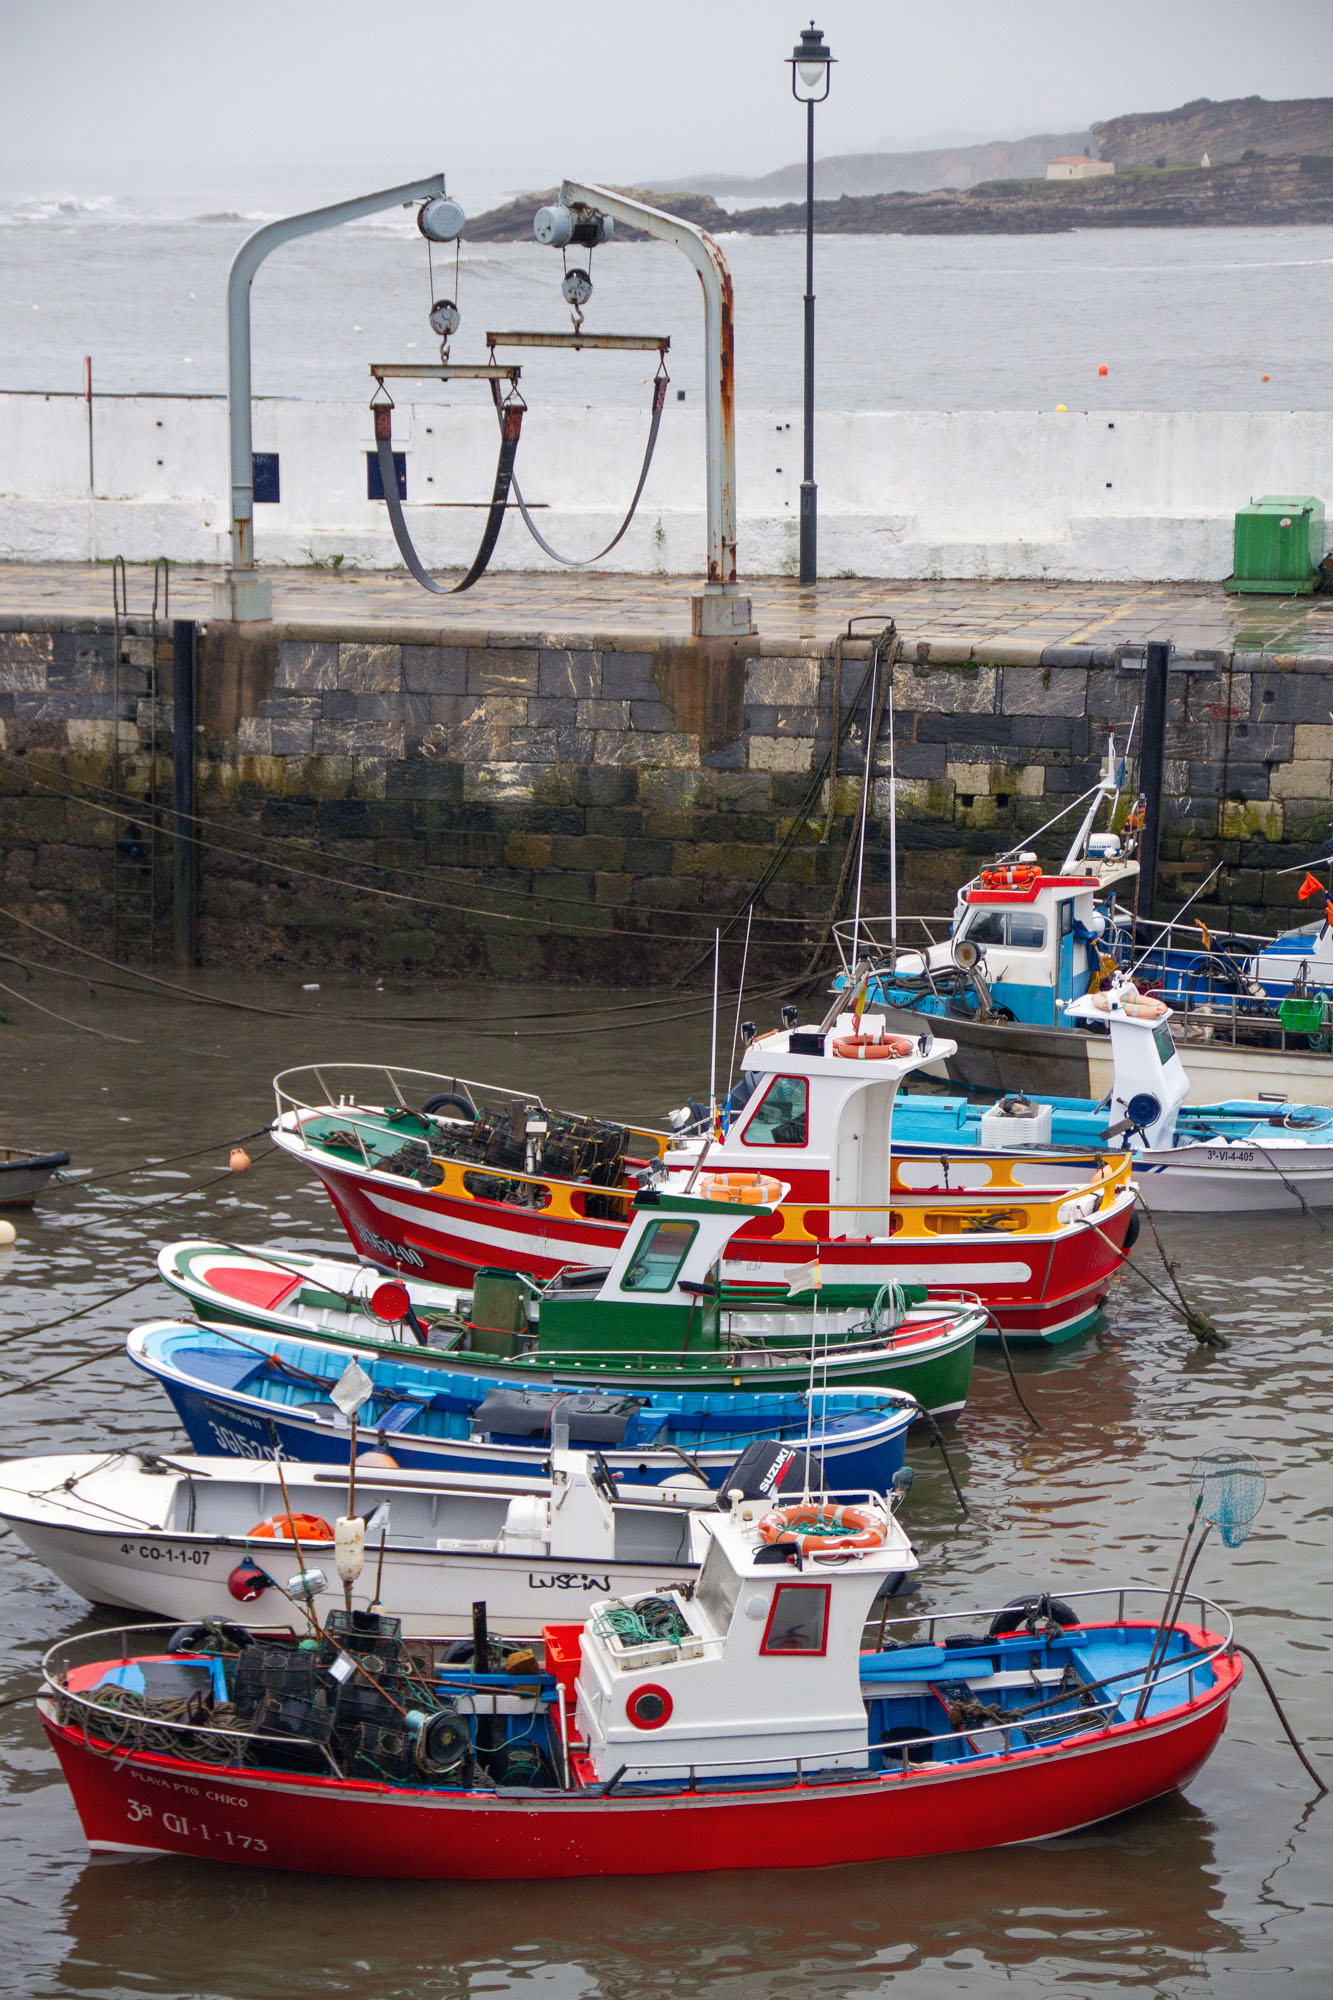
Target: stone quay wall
x=547, y=808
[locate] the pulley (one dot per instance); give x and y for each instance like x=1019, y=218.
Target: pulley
x=445, y=318
x=576, y=287
x=559, y=226
x=441, y=219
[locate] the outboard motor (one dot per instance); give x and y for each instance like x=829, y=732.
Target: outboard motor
x=765, y=1469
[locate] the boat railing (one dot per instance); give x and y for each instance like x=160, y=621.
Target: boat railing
x=929, y=1213
x=875, y=938
x=362, y=1096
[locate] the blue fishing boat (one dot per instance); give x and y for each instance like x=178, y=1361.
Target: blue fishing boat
x=250, y=1394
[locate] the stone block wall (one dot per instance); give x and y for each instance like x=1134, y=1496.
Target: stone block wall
x=549, y=808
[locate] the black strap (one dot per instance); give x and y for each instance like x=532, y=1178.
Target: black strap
x=581, y=562
x=511, y=423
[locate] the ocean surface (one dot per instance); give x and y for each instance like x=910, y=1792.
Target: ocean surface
x=1220, y=1894
x=1181, y=318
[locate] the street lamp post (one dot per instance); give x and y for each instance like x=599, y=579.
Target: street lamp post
x=810, y=73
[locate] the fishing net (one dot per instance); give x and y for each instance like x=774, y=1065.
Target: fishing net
x=1228, y=1488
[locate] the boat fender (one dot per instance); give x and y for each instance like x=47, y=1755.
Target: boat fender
x=1028, y=1613
x=248, y=1581
x=449, y=1100
x=291, y=1528
x=649, y=1707
x=833, y=1529
x=209, y=1635
x=874, y=1048
x=377, y=1461
x=1135, y=1226
x=349, y=1547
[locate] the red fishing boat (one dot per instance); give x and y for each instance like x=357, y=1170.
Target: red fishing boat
x=441, y=1176
x=732, y=1723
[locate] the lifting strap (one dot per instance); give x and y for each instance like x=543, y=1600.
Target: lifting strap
x=511, y=423
x=660, y=384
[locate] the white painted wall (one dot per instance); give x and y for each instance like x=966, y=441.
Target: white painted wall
x=965, y=493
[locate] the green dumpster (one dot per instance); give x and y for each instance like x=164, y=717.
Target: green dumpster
x=1279, y=546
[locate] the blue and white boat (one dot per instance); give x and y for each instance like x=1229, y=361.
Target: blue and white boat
x=1253, y=1016
x=1239, y=1156
x=248, y=1394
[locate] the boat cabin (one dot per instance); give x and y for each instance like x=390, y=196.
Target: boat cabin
x=756, y=1669
x=815, y=1108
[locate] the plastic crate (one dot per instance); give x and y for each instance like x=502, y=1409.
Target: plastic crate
x=564, y=1649
x=1302, y=1014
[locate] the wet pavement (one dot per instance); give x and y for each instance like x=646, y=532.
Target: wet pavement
x=1006, y=622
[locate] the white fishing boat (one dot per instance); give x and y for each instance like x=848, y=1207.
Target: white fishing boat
x=192, y=1538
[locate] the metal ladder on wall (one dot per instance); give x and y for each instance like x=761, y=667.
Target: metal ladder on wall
x=141, y=860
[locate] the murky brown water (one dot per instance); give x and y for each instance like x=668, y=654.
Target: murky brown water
x=1223, y=1892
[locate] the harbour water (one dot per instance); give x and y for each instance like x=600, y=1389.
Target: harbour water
x=1221, y=1892
x=1182, y=318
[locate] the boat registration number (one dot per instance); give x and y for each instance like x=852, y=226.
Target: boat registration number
x=138, y=1810
x=154, y=1552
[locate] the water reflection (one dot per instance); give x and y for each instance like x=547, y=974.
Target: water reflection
x=1135, y=1903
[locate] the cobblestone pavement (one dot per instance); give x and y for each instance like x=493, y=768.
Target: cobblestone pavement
x=1026, y=616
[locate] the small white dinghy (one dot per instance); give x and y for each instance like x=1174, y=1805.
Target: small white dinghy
x=190, y=1538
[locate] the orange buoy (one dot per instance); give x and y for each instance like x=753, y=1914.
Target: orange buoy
x=239, y=1161
x=1103, y=370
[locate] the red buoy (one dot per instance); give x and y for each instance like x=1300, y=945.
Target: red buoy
x=391, y=1300
x=247, y=1581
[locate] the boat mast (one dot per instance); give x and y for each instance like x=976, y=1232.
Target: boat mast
x=1106, y=788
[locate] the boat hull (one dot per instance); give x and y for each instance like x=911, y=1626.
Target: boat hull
x=1040, y=1287
x=23, y=1176
x=144, y=1804
x=216, y=1423
x=184, y=1577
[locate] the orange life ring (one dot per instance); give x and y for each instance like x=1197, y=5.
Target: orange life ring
x=1022, y=876
x=873, y=1048
x=863, y=1531
x=291, y=1528
x=743, y=1187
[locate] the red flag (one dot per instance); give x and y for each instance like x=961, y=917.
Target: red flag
x=1311, y=886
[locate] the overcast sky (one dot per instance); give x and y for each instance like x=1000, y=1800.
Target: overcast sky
x=515, y=93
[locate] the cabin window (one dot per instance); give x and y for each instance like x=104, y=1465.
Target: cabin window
x=1023, y=930
x=986, y=927
x=798, y=1619
x=717, y=1589
x=1026, y=932
x=1165, y=1047
x=1066, y=918
x=654, y=1265
x=782, y=1115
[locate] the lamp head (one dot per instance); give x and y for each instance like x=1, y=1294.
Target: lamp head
x=811, y=67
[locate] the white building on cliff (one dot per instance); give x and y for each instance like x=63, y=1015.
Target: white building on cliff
x=1077, y=167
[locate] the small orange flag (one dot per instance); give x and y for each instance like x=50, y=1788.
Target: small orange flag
x=1311, y=886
